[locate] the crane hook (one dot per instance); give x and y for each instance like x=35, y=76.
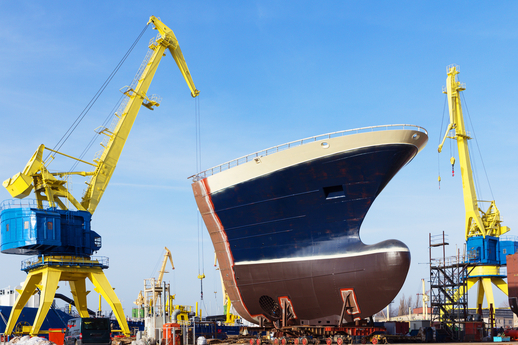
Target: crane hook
x=452, y=160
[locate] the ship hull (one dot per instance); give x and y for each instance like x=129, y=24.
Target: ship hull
x=314, y=287
x=285, y=228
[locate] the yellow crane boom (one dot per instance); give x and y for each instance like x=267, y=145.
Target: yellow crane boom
x=158, y=282
x=478, y=222
x=169, y=256
x=50, y=187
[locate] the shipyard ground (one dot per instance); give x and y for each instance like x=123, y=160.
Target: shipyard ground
x=458, y=343
x=421, y=343
x=467, y=343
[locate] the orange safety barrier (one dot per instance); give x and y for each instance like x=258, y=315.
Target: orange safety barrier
x=57, y=335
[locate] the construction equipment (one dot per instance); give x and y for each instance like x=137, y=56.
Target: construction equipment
x=486, y=251
x=62, y=237
x=152, y=296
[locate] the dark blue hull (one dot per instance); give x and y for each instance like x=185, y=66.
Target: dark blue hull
x=286, y=228
x=54, y=319
x=312, y=209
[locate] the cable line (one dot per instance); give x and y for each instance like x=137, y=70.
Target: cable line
x=87, y=108
x=440, y=138
x=478, y=148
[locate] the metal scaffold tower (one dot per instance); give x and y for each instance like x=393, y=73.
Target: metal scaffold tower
x=448, y=287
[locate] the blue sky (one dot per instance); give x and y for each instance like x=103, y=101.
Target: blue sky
x=269, y=72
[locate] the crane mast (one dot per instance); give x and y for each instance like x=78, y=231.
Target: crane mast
x=478, y=222
x=486, y=251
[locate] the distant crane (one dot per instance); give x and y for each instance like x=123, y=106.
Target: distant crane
x=486, y=251
x=62, y=238
x=152, y=292
x=424, y=300
x=158, y=282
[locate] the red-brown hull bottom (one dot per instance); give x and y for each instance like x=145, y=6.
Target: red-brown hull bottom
x=315, y=287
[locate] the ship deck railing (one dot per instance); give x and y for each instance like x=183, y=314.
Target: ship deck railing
x=275, y=149
x=64, y=261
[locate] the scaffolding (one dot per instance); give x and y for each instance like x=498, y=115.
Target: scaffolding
x=448, y=287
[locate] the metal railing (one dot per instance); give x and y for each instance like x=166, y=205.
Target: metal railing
x=21, y=203
x=64, y=260
x=275, y=149
x=461, y=260
x=508, y=238
x=450, y=261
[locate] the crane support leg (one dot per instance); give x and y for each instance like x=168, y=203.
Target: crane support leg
x=480, y=291
x=485, y=277
x=488, y=291
x=502, y=285
x=78, y=289
x=49, y=285
x=487, y=283
x=485, y=288
x=27, y=291
x=74, y=270
x=101, y=283
x=471, y=283
x=49, y=279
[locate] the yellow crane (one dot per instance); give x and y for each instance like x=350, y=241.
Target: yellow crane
x=153, y=288
x=482, y=228
x=51, y=187
x=158, y=282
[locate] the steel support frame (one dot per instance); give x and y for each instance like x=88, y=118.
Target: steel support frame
x=46, y=279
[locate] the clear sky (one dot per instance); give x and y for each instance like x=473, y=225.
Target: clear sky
x=269, y=72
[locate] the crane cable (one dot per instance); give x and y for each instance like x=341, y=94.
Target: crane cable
x=473, y=164
x=440, y=139
x=478, y=149
x=90, y=104
x=201, y=267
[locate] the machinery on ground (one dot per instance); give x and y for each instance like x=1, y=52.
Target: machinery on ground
x=486, y=250
x=59, y=234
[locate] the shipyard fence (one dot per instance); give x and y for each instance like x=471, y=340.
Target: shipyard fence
x=291, y=144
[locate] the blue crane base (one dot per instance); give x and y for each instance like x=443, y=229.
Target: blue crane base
x=33, y=231
x=490, y=250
